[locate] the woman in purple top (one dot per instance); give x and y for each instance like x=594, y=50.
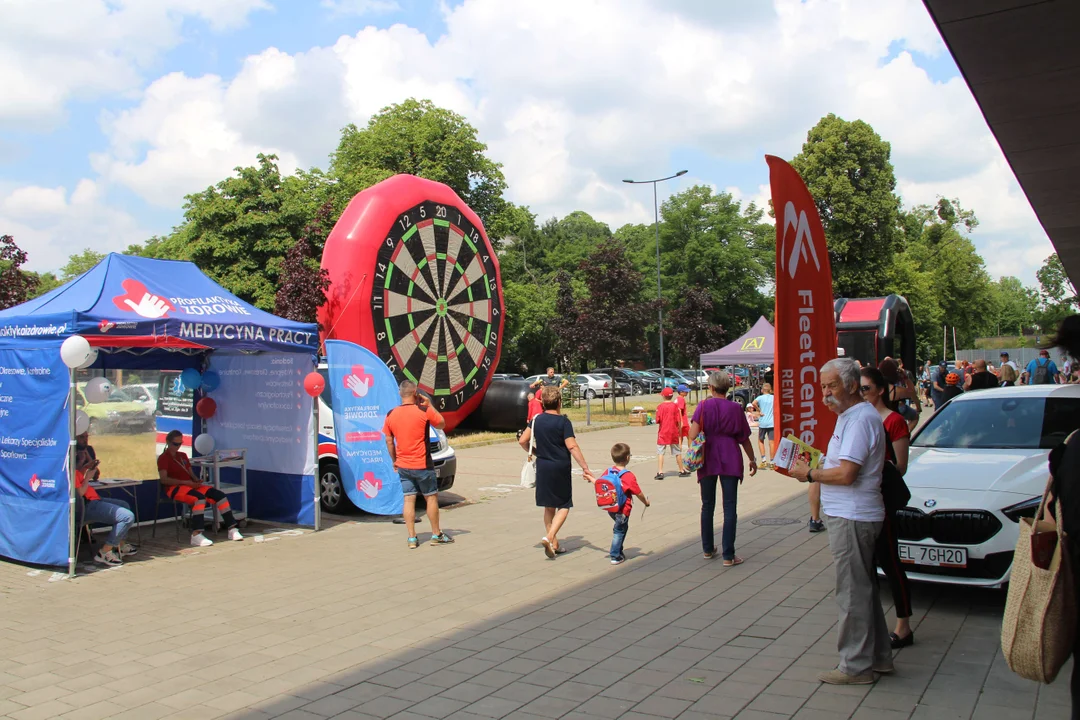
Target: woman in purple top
x=726, y=430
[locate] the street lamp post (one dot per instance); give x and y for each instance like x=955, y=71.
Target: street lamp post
x=659, y=298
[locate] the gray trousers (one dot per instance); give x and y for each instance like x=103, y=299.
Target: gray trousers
x=862, y=635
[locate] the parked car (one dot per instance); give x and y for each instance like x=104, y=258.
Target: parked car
x=653, y=378
x=639, y=383
x=699, y=376
x=507, y=376
x=143, y=393
x=331, y=491
x=622, y=389
x=119, y=413
x=595, y=385
x=977, y=466
x=674, y=378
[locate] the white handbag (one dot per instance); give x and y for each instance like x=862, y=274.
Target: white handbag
x=528, y=470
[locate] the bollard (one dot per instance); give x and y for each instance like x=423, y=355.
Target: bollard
x=588, y=410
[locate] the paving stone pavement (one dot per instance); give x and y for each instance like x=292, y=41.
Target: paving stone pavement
x=348, y=623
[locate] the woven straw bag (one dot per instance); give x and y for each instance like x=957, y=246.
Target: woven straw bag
x=1040, y=613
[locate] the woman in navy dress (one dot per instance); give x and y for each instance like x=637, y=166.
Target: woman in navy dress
x=555, y=444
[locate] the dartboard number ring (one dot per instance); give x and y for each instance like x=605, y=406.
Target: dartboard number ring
x=436, y=304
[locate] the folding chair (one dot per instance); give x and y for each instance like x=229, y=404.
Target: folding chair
x=178, y=509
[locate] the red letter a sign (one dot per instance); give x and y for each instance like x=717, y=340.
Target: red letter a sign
x=805, y=320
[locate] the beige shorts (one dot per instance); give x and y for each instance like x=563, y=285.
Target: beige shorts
x=670, y=449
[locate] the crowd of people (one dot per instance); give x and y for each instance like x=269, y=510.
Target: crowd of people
x=944, y=382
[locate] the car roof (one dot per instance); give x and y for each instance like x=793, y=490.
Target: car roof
x=1037, y=391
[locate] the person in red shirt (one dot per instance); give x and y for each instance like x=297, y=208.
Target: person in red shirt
x=875, y=390
x=669, y=420
x=535, y=408
x=620, y=457
x=406, y=432
x=680, y=400
x=182, y=485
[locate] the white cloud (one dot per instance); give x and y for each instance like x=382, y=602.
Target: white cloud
x=572, y=96
x=360, y=7
x=51, y=224
x=52, y=51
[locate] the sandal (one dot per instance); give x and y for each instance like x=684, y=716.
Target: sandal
x=658, y=476
x=733, y=561
x=549, y=549
x=897, y=642
x=709, y=555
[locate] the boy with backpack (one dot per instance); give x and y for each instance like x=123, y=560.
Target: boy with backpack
x=615, y=492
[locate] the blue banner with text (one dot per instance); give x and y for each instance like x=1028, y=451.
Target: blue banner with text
x=363, y=391
x=34, y=519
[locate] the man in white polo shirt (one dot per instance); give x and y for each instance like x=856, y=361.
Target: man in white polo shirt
x=850, y=479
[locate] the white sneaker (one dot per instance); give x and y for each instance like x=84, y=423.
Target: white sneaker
x=234, y=534
x=201, y=540
x=125, y=549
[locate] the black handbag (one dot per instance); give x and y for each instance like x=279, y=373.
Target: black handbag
x=894, y=491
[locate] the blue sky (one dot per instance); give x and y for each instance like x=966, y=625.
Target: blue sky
x=119, y=112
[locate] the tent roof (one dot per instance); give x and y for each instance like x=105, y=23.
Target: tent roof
x=126, y=301
x=753, y=348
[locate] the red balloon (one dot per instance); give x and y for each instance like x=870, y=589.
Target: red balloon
x=314, y=384
x=206, y=408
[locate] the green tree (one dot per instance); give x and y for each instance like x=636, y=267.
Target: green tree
x=528, y=333
x=708, y=240
x=1057, y=294
x=239, y=231
x=1014, y=306
x=418, y=138
x=847, y=168
x=942, y=276
x=80, y=263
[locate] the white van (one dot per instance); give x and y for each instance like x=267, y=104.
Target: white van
x=331, y=491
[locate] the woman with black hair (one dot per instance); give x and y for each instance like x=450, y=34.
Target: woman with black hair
x=1065, y=486
x=875, y=390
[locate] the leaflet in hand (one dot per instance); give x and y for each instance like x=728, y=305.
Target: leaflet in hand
x=791, y=451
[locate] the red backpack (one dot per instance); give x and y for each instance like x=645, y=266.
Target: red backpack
x=609, y=490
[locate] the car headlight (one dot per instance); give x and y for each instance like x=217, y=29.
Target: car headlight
x=443, y=443
x=113, y=415
x=1025, y=509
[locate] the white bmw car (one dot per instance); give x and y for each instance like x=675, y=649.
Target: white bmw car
x=976, y=467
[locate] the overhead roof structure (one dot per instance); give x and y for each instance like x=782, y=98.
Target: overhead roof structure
x=1021, y=60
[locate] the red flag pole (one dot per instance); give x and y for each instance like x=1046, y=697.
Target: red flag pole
x=805, y=319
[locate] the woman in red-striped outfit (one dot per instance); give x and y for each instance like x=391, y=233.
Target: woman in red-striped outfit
x=875, y=390
x=182, y=485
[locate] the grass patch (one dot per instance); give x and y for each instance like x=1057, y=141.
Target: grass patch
x=132, y=457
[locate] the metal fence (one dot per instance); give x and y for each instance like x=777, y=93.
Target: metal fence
x=1020, y=356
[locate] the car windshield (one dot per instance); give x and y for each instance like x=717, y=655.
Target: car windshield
x=119, y=396
x=1001, y=422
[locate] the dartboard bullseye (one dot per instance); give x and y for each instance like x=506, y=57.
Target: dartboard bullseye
x=414, y=279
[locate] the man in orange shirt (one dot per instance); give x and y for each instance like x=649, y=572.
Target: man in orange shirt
x=406, y=430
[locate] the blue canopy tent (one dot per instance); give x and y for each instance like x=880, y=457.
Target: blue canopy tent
x=139, y=313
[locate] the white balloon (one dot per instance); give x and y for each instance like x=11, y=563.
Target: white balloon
x=204, y=444
x=97, y=390
x=74, y=351
x=82, y=422
x=90, y=359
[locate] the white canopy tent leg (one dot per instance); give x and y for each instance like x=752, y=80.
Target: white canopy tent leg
x=71, y=474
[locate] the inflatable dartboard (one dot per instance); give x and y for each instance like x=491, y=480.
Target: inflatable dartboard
x=413, y=278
